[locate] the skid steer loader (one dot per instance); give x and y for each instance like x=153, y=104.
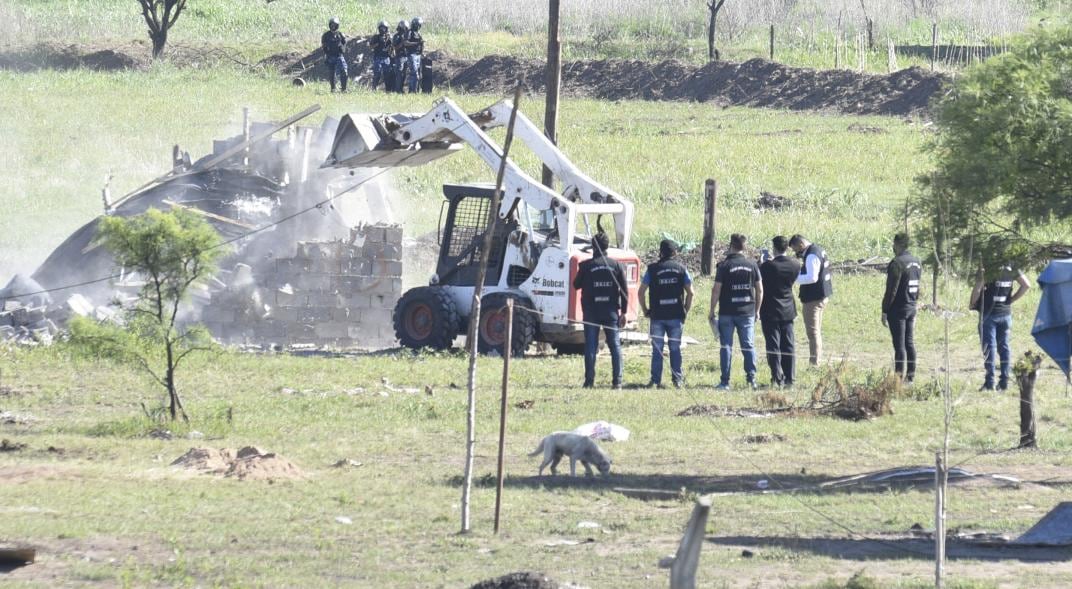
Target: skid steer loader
x=540, y=238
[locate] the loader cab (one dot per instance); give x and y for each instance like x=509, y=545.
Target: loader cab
x=463, y=220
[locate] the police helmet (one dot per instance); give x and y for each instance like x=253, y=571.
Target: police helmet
x=403, y=25
x=383, y=26
x=416, y=22
x=333, y=23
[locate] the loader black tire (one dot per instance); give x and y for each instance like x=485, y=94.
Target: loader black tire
x=491, y=332
x=569, y=349
x=426, y=317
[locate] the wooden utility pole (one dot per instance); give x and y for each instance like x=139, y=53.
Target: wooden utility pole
x=554, y=81
x=707, y=246
x=507, y=352
x=474, y=315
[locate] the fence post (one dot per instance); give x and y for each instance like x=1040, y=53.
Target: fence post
x=683, y=569
x=772, y=42
x=870, y=34
x=939, y=521
x=707, y=246
x=1026, y=371
x=891, y=59
x=934, y=43
x=507, y=352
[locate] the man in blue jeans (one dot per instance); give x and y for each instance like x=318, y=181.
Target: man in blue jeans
x=604, y=303
x=333, y=42
x=414, y=45
x=994, y=301
x=671, y=298
x=738, y=289
x=381, y=57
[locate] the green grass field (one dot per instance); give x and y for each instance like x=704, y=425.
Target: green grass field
x=104, y=508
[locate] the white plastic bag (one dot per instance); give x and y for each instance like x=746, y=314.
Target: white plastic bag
x=603, y=431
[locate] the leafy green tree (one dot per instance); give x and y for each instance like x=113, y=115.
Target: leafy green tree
x=1002, y=184
x=171, y=252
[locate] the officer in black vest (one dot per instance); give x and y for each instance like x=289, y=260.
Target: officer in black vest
x=398, y=46
x=414, y=44
x=604, y=303
x=670, y=287
x=815, y=289
x=993, y=300
x=738, y=290
x=899, y=306
x=333, y=42
x=778, y=312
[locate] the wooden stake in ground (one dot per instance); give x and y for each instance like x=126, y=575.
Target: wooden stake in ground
x=772, y=42
x=1026, y=371
x=934, y=43
x=707, y=247
x=474, y=315
x=507, y=352
x=554, y=81
x=939, y=521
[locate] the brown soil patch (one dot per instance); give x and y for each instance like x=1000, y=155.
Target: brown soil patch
x=248, y=463
x=7, y=445
x=522, y=580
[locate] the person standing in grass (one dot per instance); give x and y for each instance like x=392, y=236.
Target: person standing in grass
x=381, y=56
x=398, y=45
x=670, y=286
x=333, y=42
x=604, y=304
x=815, y=289
x=778, y=311
x=414, y=52
x=739, y=291
x=899, y=306
x=993, y=300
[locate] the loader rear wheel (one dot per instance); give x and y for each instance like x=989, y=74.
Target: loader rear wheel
x=569, y=349
x=491, y=331
x=426, y=317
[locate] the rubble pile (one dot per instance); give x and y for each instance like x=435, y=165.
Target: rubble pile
x=337, y=293
x=25, y=320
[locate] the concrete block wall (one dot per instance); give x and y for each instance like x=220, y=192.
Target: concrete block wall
x=338, y=294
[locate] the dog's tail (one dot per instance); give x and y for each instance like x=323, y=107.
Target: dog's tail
x=538, y=448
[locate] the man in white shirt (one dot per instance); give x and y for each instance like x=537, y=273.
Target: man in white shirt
x=815, y=289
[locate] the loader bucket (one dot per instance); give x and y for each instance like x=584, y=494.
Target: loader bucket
x=365, y=141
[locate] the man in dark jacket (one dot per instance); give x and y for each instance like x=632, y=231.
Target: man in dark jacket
x=816, y=287
x=671, y=298
x=993, y=300
x=899, y=306
x=604, y=303
x=381, y=56
x=738, y=290
x=414, y=44
x=333, y=42
x=778, y=312
x=398, y=46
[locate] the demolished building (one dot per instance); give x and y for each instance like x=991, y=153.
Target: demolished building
x=304, y=266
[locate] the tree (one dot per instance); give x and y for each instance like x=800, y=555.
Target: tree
x=713, y=6
x=160, y=16
x=1002, y=184
x=171, y=252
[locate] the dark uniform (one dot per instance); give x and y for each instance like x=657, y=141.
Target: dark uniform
x=776, y=315
x=333, y=44
x=381, y=60
x=995, y=325
x=604, y=299
x=666, y=281
x=899, y=306
x=398, y=45
x=414, y=53
x=738, y=276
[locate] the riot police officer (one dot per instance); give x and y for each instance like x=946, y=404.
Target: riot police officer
x=899, y=306
x=333, y=42
x=414, y=52
x=381, y=56
x=604, y=303
x=398, y=46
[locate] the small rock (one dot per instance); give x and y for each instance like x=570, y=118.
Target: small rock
x=667, y=561
x=747, y=553
x=161, y=434
x=587, y=525
x=342, y=519
x=195, y=435
x=762, y=484
x=346, y=462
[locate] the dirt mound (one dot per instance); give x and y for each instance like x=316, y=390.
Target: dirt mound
x=67, y=57
x=248, y=463
x=522, y=580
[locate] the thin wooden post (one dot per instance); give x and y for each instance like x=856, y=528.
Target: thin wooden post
x=245, y=135
x=934, y=43
x=707, y=246
x=870, y=34
x=837, y=43
x=554, y=82
x=683, y=569
x=772, y=42
x=891, y=56
x=507, y=353
x=1026, y=375
x=939, y=521
x=474, y=314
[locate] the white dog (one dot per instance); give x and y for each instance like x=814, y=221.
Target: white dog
x=577, y=447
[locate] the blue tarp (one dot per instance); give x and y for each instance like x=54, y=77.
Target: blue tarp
x=1053, y=321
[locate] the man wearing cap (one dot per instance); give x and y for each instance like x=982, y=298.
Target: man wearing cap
x=670, y=288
